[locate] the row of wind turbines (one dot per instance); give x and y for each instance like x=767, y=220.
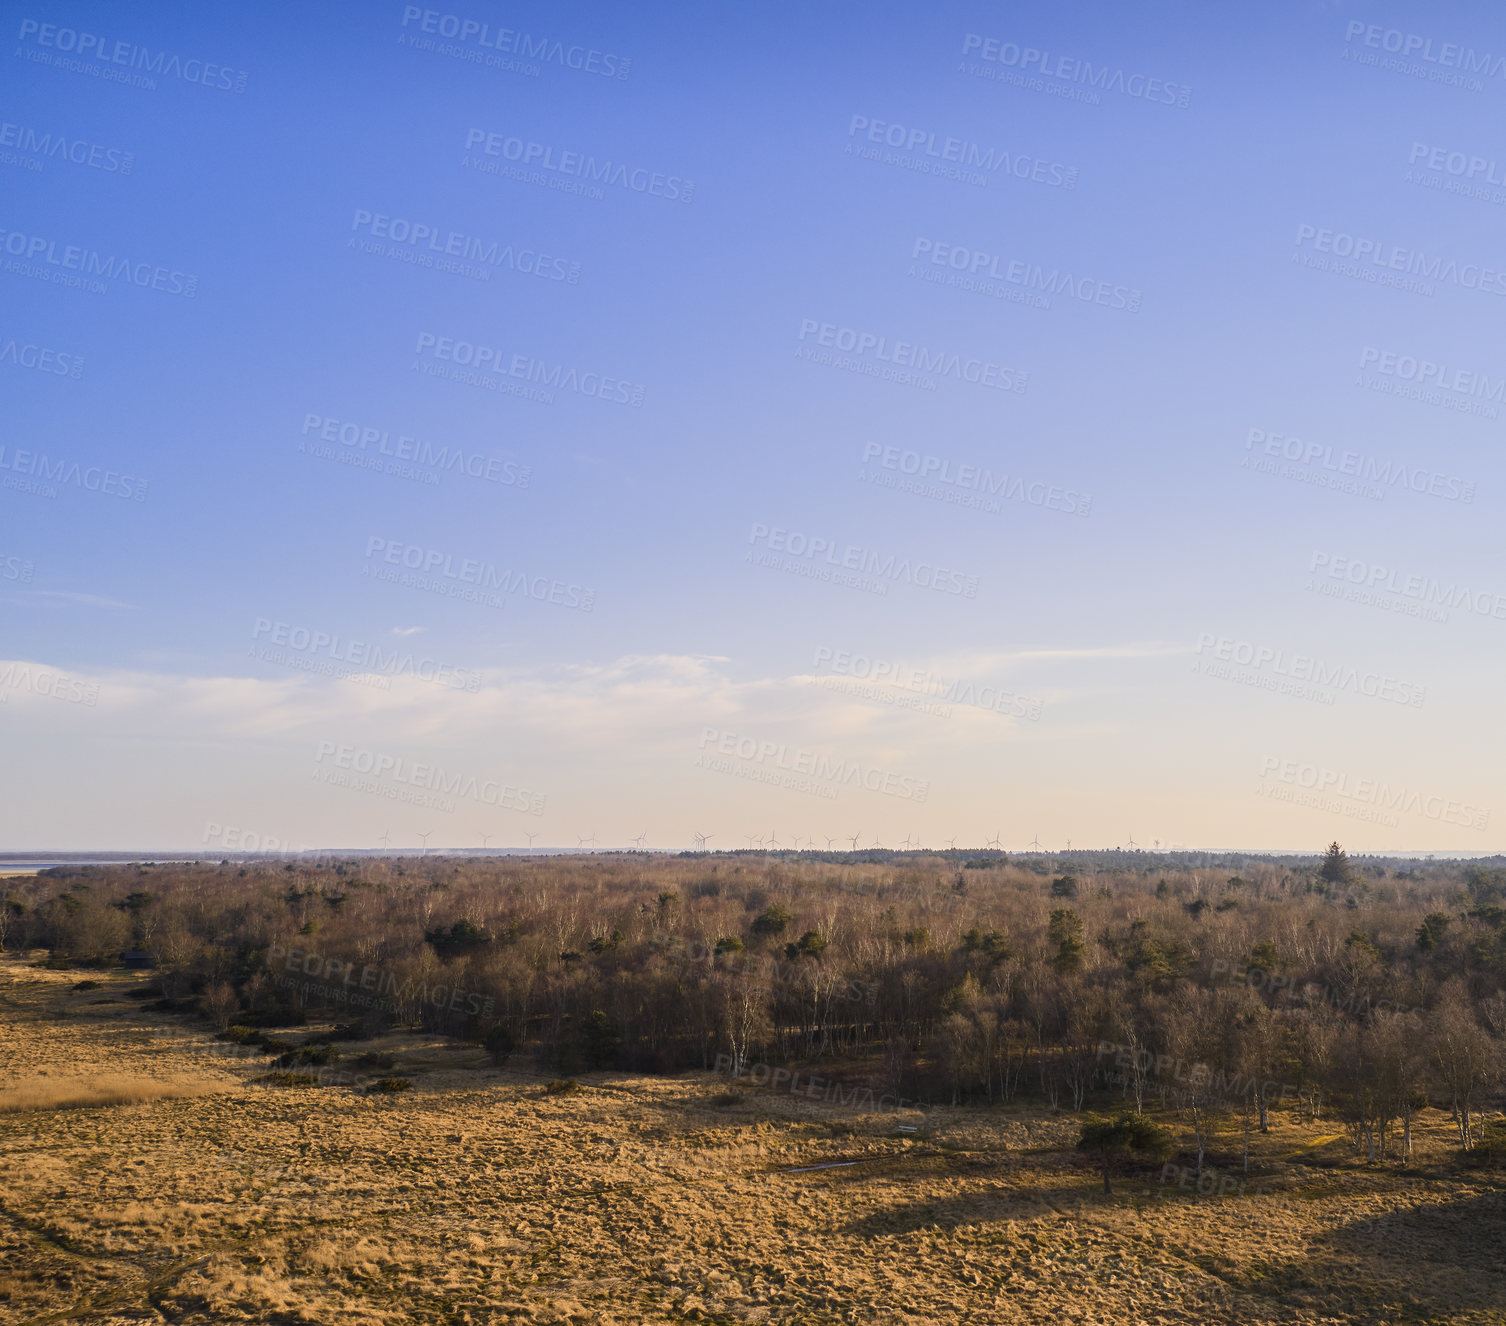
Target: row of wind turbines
x=771, y=843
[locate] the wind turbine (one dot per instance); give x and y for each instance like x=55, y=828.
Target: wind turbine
x=753, y=838
x=485, y=838
x=876, y=842
x=1132, y=846
x=951, y=843
x=586, y=839
x=908, y=842
x=530, y=837
x=701, y=840
x=639, y=840
x=994, y=842
x=773, y=841
x=426, y=837
x=385, y=839
x=829, y=840
x=855, y=838
x=1035, y=844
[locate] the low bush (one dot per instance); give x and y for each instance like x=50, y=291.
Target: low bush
x=565, y=1086
x=289, y=1079
x=389, y=1085
x=375, y=1059
x=307, y=1054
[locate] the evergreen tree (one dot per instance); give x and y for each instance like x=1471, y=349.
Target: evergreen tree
x=1335, y=868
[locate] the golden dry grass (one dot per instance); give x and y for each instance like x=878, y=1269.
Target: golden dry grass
x=477, y=1197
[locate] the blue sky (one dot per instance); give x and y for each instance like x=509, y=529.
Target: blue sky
x=1124, y=601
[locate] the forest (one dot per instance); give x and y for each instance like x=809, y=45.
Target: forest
x=1219, y=987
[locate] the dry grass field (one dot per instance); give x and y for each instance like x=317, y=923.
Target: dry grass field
x=146, y=1178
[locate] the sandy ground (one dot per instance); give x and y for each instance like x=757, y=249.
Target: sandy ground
x=193, y=1195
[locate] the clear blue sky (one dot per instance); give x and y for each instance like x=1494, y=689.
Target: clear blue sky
x=1097, y=618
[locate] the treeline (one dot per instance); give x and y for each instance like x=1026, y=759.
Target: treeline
x=1360, y=991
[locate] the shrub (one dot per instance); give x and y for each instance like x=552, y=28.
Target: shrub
x=88, y=985
x=1491, y=1148
x=388, y=1086
x=810, y=945
x=289, y=1079
x=306, y=1054
x=772, y=921
x=566, y=1086
x=499, y=1042
x=373, y=1059
x=239, y=1035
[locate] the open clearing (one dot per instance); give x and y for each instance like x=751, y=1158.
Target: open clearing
x=195, y=1196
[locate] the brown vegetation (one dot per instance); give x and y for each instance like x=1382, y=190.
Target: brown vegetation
x=802, y=1090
